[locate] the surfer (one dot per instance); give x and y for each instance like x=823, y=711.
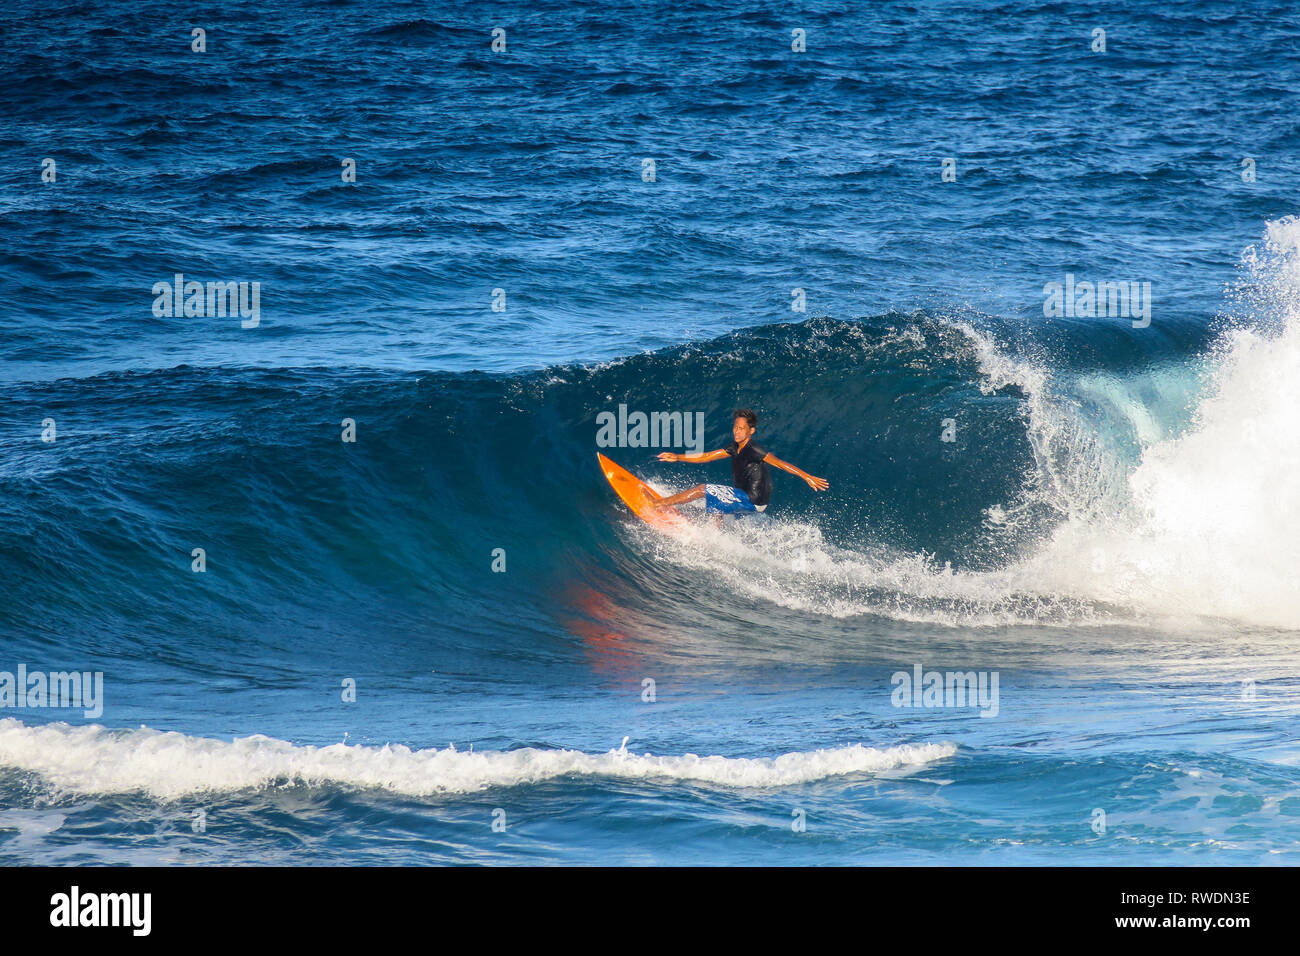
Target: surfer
x=751, y=479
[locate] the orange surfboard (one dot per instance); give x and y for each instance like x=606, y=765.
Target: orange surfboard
x=637, y=495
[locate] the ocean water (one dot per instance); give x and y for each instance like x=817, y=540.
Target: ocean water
x=445, y=641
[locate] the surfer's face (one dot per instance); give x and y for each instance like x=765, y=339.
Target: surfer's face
x=740, y=430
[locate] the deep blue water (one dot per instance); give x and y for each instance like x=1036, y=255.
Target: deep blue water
x=1097, y=510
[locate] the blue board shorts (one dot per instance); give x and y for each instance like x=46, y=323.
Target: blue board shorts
x=724, y=499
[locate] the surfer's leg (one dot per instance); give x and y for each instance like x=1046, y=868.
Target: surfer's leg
x=681, y=497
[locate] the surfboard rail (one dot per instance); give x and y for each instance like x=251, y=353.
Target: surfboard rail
x=638, y=496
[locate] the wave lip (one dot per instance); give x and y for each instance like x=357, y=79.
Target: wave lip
x=169, y=765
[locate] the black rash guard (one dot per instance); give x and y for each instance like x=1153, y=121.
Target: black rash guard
x=749, y=473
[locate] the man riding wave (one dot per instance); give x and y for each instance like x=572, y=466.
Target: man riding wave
x=751, y=478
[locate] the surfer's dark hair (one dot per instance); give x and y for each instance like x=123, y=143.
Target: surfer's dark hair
x=747, y=414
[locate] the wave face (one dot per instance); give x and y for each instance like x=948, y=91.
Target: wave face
x=981, y=474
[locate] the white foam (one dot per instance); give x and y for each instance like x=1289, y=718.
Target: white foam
x=1213, y=522
x=92, y=759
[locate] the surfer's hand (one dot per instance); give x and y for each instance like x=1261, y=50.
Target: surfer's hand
x=815, y=483
x=668, y=456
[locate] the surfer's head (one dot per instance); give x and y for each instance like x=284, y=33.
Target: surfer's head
x=743, y=424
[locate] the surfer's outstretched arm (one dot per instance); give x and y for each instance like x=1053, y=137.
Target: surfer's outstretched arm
x=694, y=459
x=817, y=484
